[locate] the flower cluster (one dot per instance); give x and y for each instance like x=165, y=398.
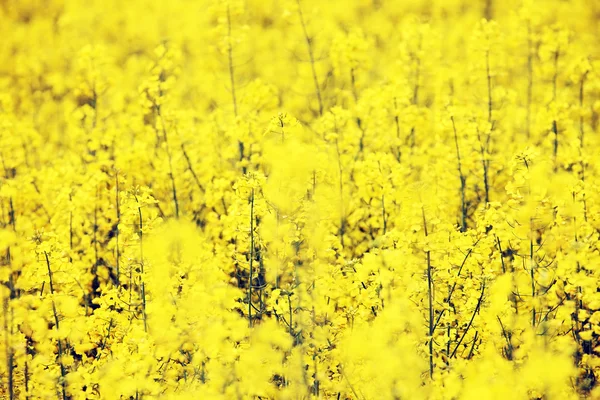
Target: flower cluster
x=299, y=199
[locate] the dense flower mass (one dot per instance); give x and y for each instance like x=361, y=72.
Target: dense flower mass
x=299, y=199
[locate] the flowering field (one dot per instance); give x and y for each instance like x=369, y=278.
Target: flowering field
x=299, y=199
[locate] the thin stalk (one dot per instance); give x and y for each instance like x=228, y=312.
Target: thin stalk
x=463, y=182
x=397, y=123
x=415, y=96
x=8, y=349
x=581, y=142
x=489, y=85
x=191, y=169
x=353, y=83
x=383, y=214
x=142, y=285
x=532, y=276
x=170, y=159
x=95, y=275
x=554, y=122
x=63, y=370
x=508, y=350
x=13, y=219
x=26, y=378
x=578, y=302
x=501, y=257
x=251, y=259
x=232, y=80
x=118, y=207
x=473, y=346
x=448, y=345
x=291, y=317
x=485, y=147
x=485, y=165
x=581, y=97
x=71, y=230
x=8, y=312
x=342, y=230
x=489, y=8
x=311, y=57
x=95, y=268
x=429, y=297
